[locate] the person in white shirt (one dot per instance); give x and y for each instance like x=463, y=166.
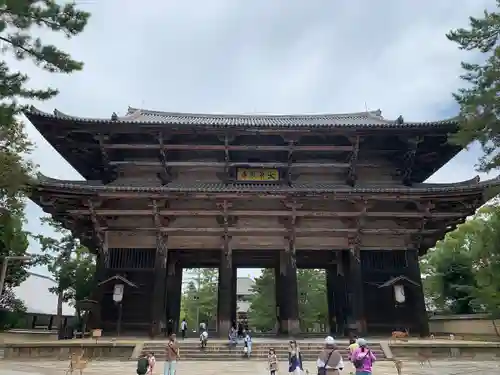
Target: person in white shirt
x=330, y=360
x=184, y=327
x=203, y=327
x=204, y=339
x=248, y=344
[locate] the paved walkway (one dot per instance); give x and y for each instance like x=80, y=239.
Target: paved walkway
x=242, y=368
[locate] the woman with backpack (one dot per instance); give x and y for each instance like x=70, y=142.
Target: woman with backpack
x=330, y=360
x=363, y=358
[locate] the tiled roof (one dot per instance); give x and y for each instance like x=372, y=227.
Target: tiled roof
x=316, y=187
x=369, y=119
x=244, y=286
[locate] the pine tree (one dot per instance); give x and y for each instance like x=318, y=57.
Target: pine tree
x=18, y=18
x=479, y=100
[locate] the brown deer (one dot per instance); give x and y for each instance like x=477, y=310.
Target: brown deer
x=424, y=356
x=76, y=362
x=398, y=364
x=400, y=335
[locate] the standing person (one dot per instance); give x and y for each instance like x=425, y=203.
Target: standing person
x=171, y=356
x=363, y=358
x=142, y=365
x=272, y=360
x=203, y=326
x=233, y=337
x=330, y=360
x=294, y=359
x=204, y=339
x=248, y=343
x=170, y=327
x=353, y=345
x=184, y=327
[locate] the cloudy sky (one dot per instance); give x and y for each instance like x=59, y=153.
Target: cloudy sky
x=261, y=56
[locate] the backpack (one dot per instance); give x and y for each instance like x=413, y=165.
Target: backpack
x=142, y=365
x=359, y=362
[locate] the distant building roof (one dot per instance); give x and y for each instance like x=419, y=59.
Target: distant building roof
x=34, y=292
x=244, y=286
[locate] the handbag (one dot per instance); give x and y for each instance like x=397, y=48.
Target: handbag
x=322, y=370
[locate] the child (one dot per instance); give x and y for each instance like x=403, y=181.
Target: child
x=272, y=359
x=152, y=362
x=353, y=345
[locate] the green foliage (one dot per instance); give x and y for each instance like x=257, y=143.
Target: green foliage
x=200, y=296
x=262, y=312
x=13, y=242
x=313, y=307
x=17, y=20
x=486, y=253
x=71, y=264
x=12, y=310
x=479, y=100
x=462, y=270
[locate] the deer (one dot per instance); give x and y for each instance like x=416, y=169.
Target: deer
x=76, y=362
x=398, y=364
x=400, y=335
x=424, y=356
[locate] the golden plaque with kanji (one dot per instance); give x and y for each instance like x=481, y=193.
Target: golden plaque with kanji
x=257, y=174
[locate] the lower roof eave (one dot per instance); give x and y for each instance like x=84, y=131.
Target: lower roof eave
x=488, y=189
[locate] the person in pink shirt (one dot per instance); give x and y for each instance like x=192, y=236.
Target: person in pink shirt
x=363, y=358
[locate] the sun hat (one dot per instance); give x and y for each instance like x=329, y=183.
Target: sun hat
x=361, y=342
x=329, y=340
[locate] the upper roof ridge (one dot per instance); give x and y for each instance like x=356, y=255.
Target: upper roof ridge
x=152, y=112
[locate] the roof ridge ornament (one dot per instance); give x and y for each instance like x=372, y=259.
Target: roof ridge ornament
x=400, y=120
x=114, y=116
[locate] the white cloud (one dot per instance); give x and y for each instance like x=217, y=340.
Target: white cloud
x=285, y=56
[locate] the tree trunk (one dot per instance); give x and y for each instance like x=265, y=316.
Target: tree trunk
x=59, y=313
x=497, y=331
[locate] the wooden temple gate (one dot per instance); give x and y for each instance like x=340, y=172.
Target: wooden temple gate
x=167, y=191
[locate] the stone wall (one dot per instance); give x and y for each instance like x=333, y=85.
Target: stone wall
x=465, y=325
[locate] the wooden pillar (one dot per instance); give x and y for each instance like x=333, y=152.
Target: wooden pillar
x=289, y=309
x=340, y=293
x=356, y=323
x=173, y=293
x=95, y=319
x=159, y=288
x=331, y=276
x=234, y=302
x=224, y=299
x=420, y=310
x=278, y=301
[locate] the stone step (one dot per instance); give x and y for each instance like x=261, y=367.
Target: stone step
x=218, y=351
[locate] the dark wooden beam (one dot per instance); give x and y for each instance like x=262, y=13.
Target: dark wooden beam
x=215, y=164
x=98, y=230
x=165, y=177
x=109, y=172
x=449, y=196
x=246, y=213
x=353, y=160
x=229, y=147
x=226, y=236
x=300, y=232
x=409, y=159
x=291, y=149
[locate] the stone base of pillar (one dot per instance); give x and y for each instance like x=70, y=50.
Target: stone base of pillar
x=223, y=328
x=291, y=327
